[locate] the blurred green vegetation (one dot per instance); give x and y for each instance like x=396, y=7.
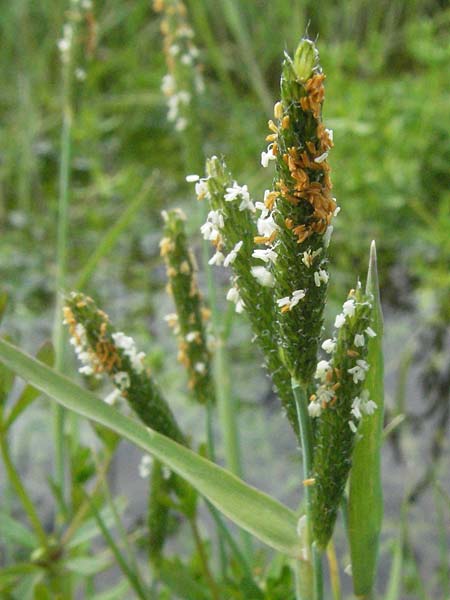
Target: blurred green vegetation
x=388, y=102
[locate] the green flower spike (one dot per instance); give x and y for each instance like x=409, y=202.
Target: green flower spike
x=230, y=227
x=295, y=222
x=158, y=511
x=337, y=406
x=188, y=321
x=103, y=350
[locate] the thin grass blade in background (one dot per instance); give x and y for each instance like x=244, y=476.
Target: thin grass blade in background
x=234, y=18
x=3, y=303
x=394, y=586
x=111, y=237
x=46, y=355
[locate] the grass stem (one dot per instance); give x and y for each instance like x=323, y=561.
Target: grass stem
x=333, y=568
x=228, y=412
x=85, y=506
x=204, y=560
x=61, y=265
x=210, y=446
x=21, y=492
x=132, y=576
x=301, y=402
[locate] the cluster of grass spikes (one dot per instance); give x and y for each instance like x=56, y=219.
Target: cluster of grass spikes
x=331, y=390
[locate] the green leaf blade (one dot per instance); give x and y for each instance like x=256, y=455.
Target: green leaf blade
x=87, y=565
x=365, y=508
x=15, y=532
x=256, y=512
x=45, y=354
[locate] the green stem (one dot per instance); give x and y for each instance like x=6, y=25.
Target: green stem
x=222, y=530
x=317, y=571
x=61, y=265
x=132, y=576
x=333, y=568
x=226, y=536
x=21, y=492
x=228, y=412
x=117, y=520
x=85, y=506
x=210, y=444
x=212, y=456
x=301, y=403
x=304, y=420
x=204, y=560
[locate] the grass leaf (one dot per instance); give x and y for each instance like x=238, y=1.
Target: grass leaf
x=3, y=303
x=111, y=237
x=180, y=581
x=251, y=509
x=87, y=565
x=117, y=592
x=88, y=530
x=14, y=531
x=365, y=505
x=46, y=355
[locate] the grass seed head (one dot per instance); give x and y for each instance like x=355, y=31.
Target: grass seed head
x=188, y=322
x=232, y=225
x=337, y=408
x=103, y=350
x=295, y=221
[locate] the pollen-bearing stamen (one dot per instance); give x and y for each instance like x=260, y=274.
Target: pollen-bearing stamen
x=296, y=213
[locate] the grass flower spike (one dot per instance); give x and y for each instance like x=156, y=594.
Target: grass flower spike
x=337, y=407
x=231, y=227
x=184, y=79
x=295, y=220
x=103, y=350
x=188, y=322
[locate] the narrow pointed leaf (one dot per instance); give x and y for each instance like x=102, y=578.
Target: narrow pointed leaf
x=45, y=354
x=365, y=506
x=131, y=574
x=6, y=385
x=111, y=237
x=117, y=592
x=3, y=304
x=179, y=580
x=41, y=592
x=251, y=509
x=89, y=530
x=15, y=532
x=87, y=565
x=394, y=585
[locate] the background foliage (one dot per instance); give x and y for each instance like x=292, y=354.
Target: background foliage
x=387, y=101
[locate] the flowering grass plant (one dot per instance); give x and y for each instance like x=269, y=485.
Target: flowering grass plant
x=331, y=390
